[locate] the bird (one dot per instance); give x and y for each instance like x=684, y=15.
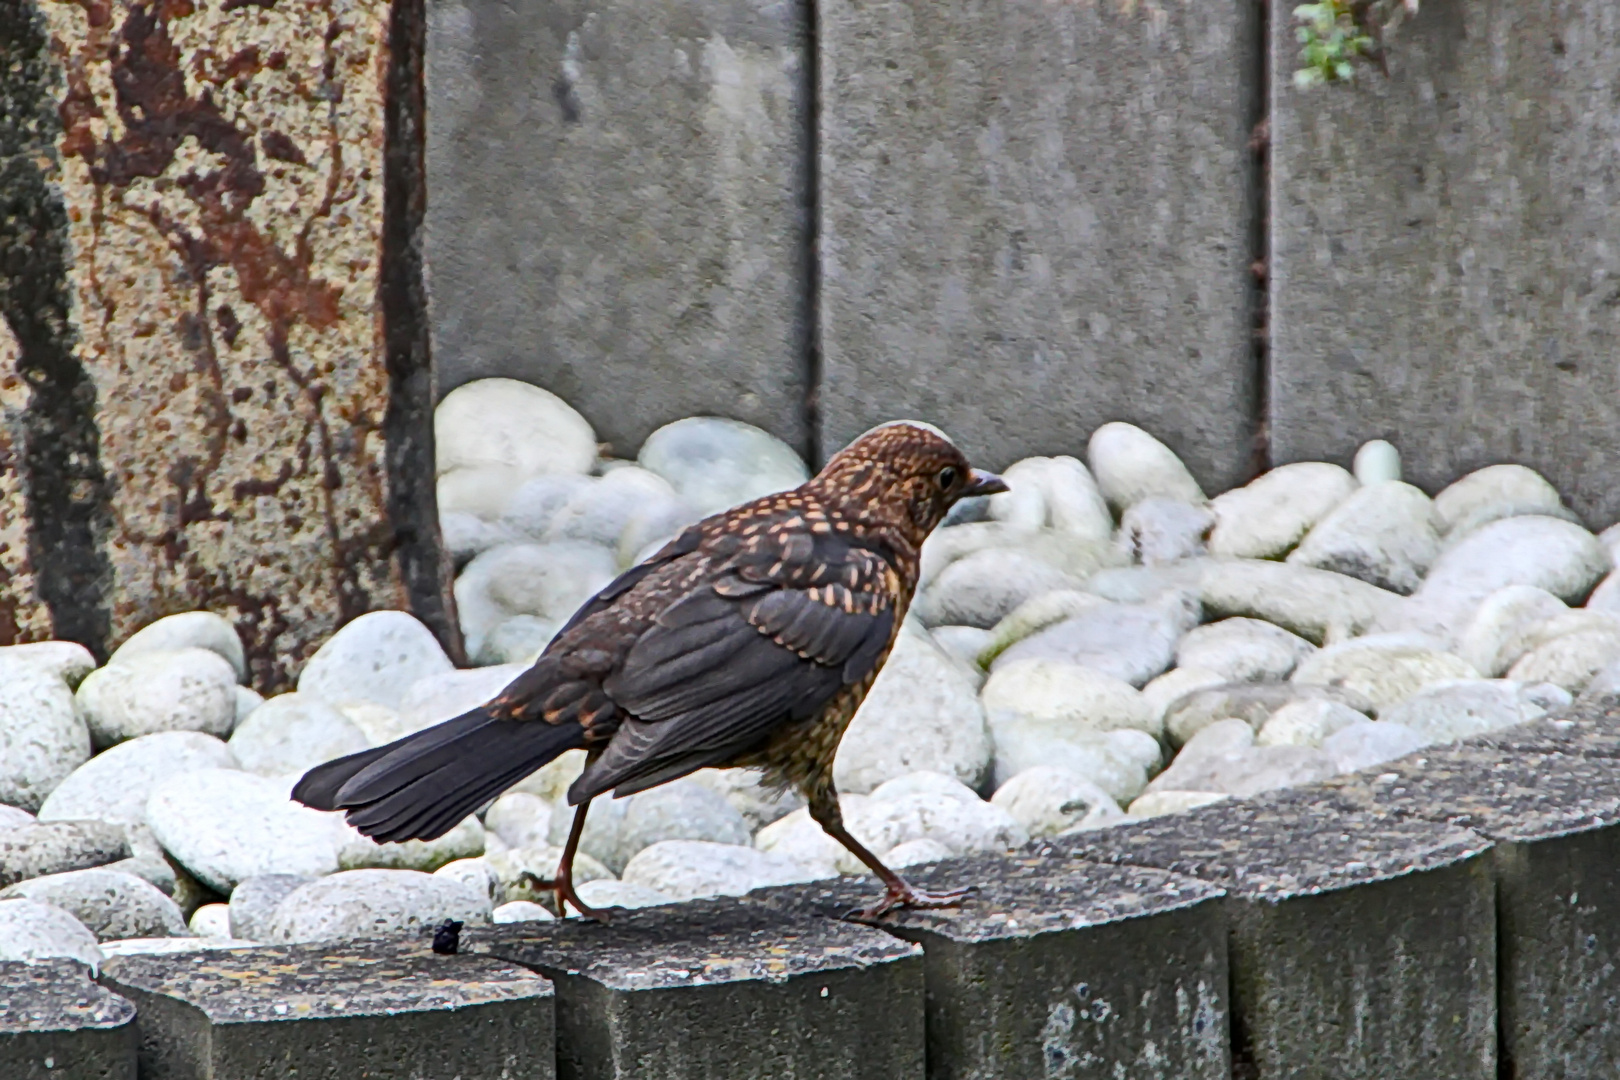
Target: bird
x=747, y=641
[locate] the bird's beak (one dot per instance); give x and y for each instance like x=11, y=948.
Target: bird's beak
x=983, y=483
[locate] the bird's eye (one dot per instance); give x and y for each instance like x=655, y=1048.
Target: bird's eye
x=947, y=477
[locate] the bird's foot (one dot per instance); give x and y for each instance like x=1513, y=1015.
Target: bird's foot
x=564, y=888
x=904, y=895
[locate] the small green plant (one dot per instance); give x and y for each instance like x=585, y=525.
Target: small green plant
x=1338, y=35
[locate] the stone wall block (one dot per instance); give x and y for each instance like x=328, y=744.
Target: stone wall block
x=55, y=1022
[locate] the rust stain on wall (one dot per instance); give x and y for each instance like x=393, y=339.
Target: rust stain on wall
x=222, y=170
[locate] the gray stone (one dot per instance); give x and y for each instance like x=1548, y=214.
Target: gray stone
x=965, y=826
x=358, y=1009
x=1034, y=615
x=1059, y=968
x=186, y=689
x=1056, y=493
x=466, y=535
x=1160, y=530
x=606, y=893
x=520, y=911
x=1606, y=597
x=1159, y=803
x=42, y=735
x=1132, y=465
x=187, y=630
x=1148, y=584
x=1318, y=605
x=368, y=903
x=1047, y=800
x=1102, y=758
x=758, y=804
x=1176, y=684
x=444, y=695
x=477, y=874
x=1131, y=642
x=915, y=853
x=226, y=826
x=1243, y=650
x=626, y=509
x=720, y=973
x=1569, y=661
x=56, y=1022
x=1377, y=462
x=984, y=587
x=1266, y=519
x=54, y=847
x=800, y=838
x=247, y=699
x=682, y=810
x=1383, y=534
x=612, y=285
x=1462, y=708
x=923, y=712
x=964, y=643
x=110, y=903
x=1384, y=668
x=1223, y=757
x=211, y=921
x=548, y=580
x=1306, y=723
x=519, y=819
x=1496, y=635
x=518, y=640
x=67, y=660
x=292, y=733
x=688, y=869
x=1346, y=927
x=925, y=782
x=505, y=424
x=32, y=930
x=1373, y=742
x=533, y=506
x=715, y=464
x=1253, y=702
x=1067, y=554
x=357, y=851
x=373, y=658
x=254, y=900
x=1492, y=493
x=1429, y=171
x=1065, y=697
x=983, y=210
x=12, y=817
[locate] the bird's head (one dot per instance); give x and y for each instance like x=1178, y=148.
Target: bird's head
x=904, y=475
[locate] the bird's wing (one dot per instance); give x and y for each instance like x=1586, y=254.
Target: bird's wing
x=791, y=619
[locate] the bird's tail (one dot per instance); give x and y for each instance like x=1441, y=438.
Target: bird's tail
x=420, y=787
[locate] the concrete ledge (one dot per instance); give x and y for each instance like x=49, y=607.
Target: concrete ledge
x=1362, y=945
x=722, y=989
x=56, y=1023
x=1059, y=968
x=337, y=1012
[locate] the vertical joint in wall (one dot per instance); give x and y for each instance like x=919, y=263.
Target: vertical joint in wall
x=813, y=450
x=1260, y=235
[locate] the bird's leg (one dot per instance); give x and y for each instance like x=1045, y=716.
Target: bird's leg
x=563, y=882
x=898, y=892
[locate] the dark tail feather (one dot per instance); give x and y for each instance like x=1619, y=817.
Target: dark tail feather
x=421, y=786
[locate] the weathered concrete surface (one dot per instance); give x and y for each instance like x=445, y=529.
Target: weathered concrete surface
x=1054, y=967
x=619, y=206
x=56, y=1023
x=723, y=989
x=351, y=1009
x=1555, y=818
x=214, y=396
x=1034, y=219
x=1347, y=927
x=1443, y=272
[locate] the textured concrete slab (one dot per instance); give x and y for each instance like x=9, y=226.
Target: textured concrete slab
x=1594, y=732
x=1347, y=927
x=620, y=207
x=1442, y=270
x=376, y=1009
x=1054, y=967
x=1035, y=219
x=213, y=372
x=1555, y=818
x=56, y=1023
x=723, y=989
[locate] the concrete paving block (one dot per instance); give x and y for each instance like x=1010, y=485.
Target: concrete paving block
x=1442, y=271
x=57, y=1024
x=723, y=989
x=620, y=208
x=1585, y=730
x=1056, y=967
x=384, y=1009
x=1035, y=219
x=1555, y=818
x=1363, y=946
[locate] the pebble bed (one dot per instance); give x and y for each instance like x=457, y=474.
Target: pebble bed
x=1101, y=644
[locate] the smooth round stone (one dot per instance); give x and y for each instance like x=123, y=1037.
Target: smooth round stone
x=915, y=853
x=963, y=643
x=356, y=851
x=518, y=869
x=682, y=810
x=110, y=903
x=484, y=493
x=1023, y=504
x=225, y=826
x=1158, y=531
x=518, y=640
x=982, y=588
x=369, y=903
x=1610, y=539
x=42, y=737
x=1160, y=803
x=30, y=930
x=688, y=869
x=1463, y=708
x=1055, y=493
x=513, y=425
x=521, y=911
x=547, y=580
x=1034, y=615
x=1130, y=465
x=183, y=690
x=759, y=805
x=620, y=894
x=1268, y=517
x=1493, y=493
x=519, y=819
x=1243, y=650
x=603, y=834
x=925, y=782
x=1106, y=759
x=1077, y=558
x=373, y=658
x=1065, y=698
x=1130, y=642
x=1318, y=605
x=1606, y=597
x=466, y=535
x=113, y=786
x=172, y=946
x=1383, y=535
x=552, y=780
x=715, y=464
x=1306, y=722
x=1253, y=703
x=211, y=921
x=477, y=874
x=1498, y=634
x=1371, y=743
x=187, y=630
x=247, y=699
x=923, y=712
x=379, y=723
x=628, y=507
x=535, y=505
x=1384, y=668
x=255, y=900
x=1570, y=661
x=800, y=838
x=66, y=660
x=966, y=826
x=1223, y=757
x=12, y=817
x=1047, y=800
x=292, y=733
x=447, y=694
x=52, y=847
x=1175, y=684
x=1377, y=462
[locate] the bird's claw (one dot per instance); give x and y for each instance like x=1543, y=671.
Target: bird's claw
x=908, y=896
x=564, y=888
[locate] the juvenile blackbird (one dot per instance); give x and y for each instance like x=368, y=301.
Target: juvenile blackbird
x=747, y=641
